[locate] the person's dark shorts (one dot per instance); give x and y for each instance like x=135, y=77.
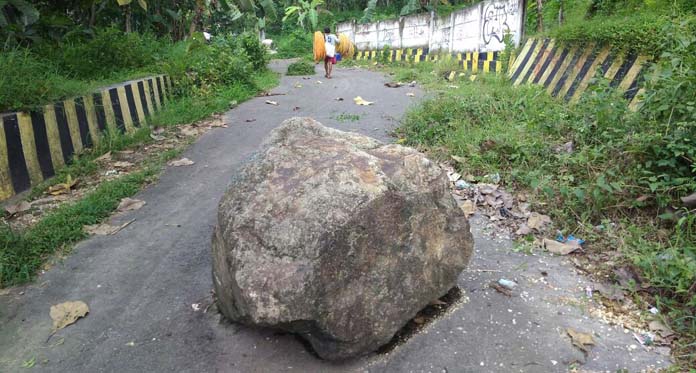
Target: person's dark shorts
x=330, y=59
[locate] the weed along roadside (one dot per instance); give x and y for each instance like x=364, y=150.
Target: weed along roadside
x=52, y=216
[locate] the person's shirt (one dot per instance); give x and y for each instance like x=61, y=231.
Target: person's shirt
x=331, y=38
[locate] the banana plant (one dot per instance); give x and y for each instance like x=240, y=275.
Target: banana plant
x=304, y=10
x=260, y=10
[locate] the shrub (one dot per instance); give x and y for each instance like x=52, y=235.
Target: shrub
x=301, y=68
x=111, y=50
x=200, y=68
x=257, y=52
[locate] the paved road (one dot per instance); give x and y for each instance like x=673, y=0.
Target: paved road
x=141, y=283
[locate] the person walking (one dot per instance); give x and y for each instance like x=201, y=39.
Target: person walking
x=330, y=41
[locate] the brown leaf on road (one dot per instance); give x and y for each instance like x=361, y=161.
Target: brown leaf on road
x=393, y=84
x=130, y=204
x=181, y=162
x=583, y=341
x=538, y=221
x=67, y=313
x=18, y=208
x=501, y=289
x=468, y=207
x=560, y=248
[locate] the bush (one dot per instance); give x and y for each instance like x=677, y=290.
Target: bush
x=26, y=81
x=110, y=51
x=257, y=52
x=301, y=68
x=200, y=68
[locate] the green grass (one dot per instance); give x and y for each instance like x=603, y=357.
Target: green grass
x=23, y=253
x=301, y=68
x=28, y=82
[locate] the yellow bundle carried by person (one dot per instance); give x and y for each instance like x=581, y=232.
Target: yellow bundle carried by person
x=345, y=47
x=319, y=48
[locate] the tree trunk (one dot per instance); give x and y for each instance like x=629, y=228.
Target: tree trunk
x=540, y=15
x=200, y=5
x=92, y=15
x=128, y=18
x=561, y=16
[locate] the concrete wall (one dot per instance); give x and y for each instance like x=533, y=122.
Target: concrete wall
x=478, y=28
x=34, y=145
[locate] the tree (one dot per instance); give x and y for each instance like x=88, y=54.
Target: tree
x=304, y=10
x=127, y=10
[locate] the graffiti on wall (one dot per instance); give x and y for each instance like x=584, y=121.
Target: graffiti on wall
x=481, y=27
x=495, y=20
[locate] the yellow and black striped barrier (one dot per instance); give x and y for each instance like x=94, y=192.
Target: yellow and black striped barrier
x=566, y=72
x=469, y=61
x=34, y=145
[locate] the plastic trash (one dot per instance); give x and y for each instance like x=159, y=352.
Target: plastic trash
x=569, y=240
x=461, y=185
x=508, y=284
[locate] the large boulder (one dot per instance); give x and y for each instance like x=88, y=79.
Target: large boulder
x=337, y=237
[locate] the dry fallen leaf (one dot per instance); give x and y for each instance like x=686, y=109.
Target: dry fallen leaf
x=16, y=209
x=339, y=98
x=157, y=137
x=580, y=340
x=188, y=131
x=123, y=164
x=181, y=162
x=158, y=130
x=538, y=221
x=523, y=230
x=63, y=188
x=218, y=123
x=609, y=291
x=360, y=101
x=560, y=248
x=468, y=207
x=411, y=94
x=660, y=328
x=67, y=313
x=130, y=204
x=272, y=103
x=105, y=229
x=393, y=84
x=104, y=158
